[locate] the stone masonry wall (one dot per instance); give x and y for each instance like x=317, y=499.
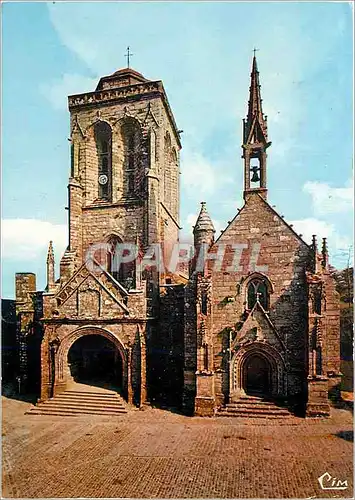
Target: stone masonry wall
x=272, y=248
x=125, y=218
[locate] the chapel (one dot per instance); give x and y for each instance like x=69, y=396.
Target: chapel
x=252, y=318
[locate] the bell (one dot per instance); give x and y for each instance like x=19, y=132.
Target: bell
x=255, y=177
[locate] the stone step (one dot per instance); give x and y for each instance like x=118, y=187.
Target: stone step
x=249, y=406
x=262, y=411
x=82, y=404
x=97, y=393
x=243, y=406
x=252, y=398
x=253, y=403
x=71, y=411
x=252, y=415
x=76, y=402
x=76, y=397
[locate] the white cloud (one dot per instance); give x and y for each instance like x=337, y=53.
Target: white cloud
x=26, y=239
x=199, y=176
x=57, y=91
x=309, y=227
x=190, y=222
x=338, y=244
x=329, y=200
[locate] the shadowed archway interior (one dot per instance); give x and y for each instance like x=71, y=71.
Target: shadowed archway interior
x=95, y=360
x=257, y=375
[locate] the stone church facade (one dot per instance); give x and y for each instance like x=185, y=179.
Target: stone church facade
x=256, y=310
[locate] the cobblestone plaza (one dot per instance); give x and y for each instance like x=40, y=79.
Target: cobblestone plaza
x=160, y=454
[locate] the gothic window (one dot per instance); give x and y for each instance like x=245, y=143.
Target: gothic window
x=72, y=157
x=103, y=139
x=204, y=303
x=153, y=153
x=167, y=169
x=317, y=300
x=123, y=272
x=131, y=135
x=257, y=290
x=205, y=357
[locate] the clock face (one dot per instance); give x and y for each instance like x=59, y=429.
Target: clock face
x=103, y=179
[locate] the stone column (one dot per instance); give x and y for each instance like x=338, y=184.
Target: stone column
x=143, y=374
x=129, y=375
x=45, y=368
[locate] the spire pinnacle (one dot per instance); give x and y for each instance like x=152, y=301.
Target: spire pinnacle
x=50, y=253
x=255, y=101
x=50, y=268
x=204, y=221
x=325, y=256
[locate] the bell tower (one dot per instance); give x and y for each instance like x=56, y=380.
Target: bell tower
x=255, y=140
x=124, y=178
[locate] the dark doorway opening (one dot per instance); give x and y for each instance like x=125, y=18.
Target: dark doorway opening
x=257, y=374
x=95, y=360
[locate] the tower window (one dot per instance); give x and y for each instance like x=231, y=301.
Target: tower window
x=72, y=159
x=167, y=170
x=103, y=139
x=204, y=303
x=257, y=291
x=131, y=182
x=131, y=135
x=123, y=272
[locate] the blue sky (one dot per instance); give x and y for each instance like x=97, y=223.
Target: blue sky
x=202, y=52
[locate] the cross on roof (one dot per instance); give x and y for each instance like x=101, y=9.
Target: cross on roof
x=128, y=55
x=255, y=50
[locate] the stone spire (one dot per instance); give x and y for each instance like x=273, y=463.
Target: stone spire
x=255, y=139
x=325, y=256
x=255, y=102
x=203, y=229
x=50, y=268
x=314, y=254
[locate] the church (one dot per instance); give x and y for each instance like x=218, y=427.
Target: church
x=253, y=316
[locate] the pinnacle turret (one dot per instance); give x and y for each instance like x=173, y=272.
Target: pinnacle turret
x=204, y=221
x=50, y=268
x=50, y=253
x=204, y=229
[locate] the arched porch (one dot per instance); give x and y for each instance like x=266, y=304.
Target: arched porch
x=93, y=356
x=257, y=369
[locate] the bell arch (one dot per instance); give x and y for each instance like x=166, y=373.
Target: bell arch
x=103, y=141
x=131, y=136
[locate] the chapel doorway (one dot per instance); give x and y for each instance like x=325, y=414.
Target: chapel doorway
x=257, y=376
x=95, y=360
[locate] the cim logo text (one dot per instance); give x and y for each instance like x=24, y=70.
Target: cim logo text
x=328, y=482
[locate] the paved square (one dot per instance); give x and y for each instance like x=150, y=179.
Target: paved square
x=158, y=454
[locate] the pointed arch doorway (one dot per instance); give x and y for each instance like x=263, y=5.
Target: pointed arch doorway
x=257, y=375
x=257, y=369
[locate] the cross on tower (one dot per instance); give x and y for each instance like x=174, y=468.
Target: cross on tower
x=255, y=50
x=128, y=55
